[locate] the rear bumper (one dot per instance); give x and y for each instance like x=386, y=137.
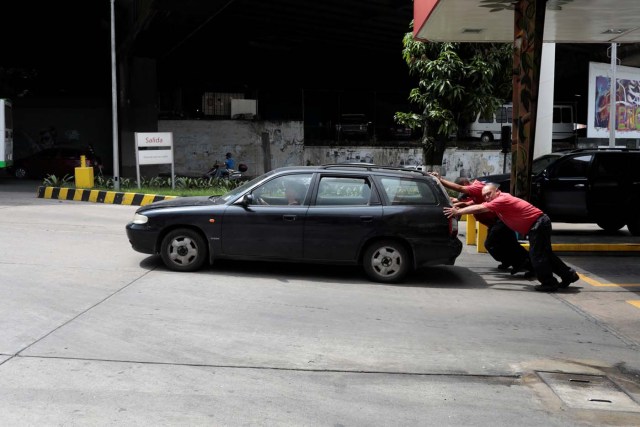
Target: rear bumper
x=437, y=254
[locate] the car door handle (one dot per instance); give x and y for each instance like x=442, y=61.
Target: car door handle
x=289, y=217
x=579, y=186
x=366, y=218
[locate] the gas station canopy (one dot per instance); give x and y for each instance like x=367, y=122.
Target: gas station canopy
x=566, y=21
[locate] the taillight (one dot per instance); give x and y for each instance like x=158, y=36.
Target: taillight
x=453, y=227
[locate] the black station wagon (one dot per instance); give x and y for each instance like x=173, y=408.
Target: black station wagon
x=388, y=220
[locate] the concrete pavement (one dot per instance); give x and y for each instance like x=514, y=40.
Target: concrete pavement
x=94, y=333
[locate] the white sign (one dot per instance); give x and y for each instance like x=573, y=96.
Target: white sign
x=155, y=157
x=154, y=148
x=154, y=139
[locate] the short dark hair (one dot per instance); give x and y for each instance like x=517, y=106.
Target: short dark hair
x=228, y=155
x=462, y=180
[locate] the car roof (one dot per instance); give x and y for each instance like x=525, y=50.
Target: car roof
x=356, y=167
x=601, y=150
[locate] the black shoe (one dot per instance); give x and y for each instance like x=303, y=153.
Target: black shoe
x=547, y=287
x=550, y=285
x=525, y=266
x=571, y=278
x=503, y=266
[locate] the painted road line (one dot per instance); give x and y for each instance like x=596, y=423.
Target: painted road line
x=594, y=282
x=634, y=302
x=592, y=247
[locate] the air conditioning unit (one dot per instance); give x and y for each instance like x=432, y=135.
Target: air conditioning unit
x=218, y=104
x=244, y=108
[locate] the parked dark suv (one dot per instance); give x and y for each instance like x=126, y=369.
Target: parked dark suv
x=599, y=186
x=388, y=220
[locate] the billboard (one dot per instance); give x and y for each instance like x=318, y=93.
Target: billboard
x=627, y=104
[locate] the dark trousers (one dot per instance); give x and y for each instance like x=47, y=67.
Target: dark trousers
x=544, y=261
x=502, y=244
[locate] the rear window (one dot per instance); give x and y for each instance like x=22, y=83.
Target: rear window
x=408, y=192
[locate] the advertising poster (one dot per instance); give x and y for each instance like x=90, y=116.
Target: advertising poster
x=627, y=101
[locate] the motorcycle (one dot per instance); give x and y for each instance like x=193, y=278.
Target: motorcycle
x=230, y=174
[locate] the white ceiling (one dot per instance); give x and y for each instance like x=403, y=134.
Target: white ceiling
x=566, y=21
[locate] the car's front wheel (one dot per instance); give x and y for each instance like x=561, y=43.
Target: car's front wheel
x=386, y=261
x=183, y=249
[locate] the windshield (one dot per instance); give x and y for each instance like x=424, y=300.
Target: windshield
x=542, y=162
x=233, y=194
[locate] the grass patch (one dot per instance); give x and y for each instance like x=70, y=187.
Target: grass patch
x=184, y=186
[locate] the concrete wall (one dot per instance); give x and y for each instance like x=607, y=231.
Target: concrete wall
x=473, y=163
x=264, y=146
x=261, y=145
x=387, y=156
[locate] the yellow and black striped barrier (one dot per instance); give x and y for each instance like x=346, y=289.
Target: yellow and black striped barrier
x=99, y=196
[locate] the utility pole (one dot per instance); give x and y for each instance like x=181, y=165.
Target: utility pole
x=114, y=102
x=613, y=92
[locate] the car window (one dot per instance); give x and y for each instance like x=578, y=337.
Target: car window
x=408, y=192
x=609, y=165
x=504, y=115
x=542, y=162
x=283, y=190
x=343, y=191
x=573, y=167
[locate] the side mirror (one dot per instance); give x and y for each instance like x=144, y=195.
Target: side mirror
x=247, y=200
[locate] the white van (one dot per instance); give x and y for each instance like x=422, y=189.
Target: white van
x=490, y=128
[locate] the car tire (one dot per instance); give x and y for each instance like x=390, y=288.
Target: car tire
x=386, y=261
x=486, y=137
x=183, y=249
x=20, y=172
x=611, y=225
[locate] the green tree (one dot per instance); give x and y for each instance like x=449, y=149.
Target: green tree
x=456, y=81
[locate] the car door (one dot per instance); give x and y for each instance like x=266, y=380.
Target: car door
x=610, y=184
x=561, y=192
x=413, y=212
x=344, y=213
x=268, y=228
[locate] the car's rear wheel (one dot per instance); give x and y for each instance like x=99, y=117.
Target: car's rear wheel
x=386, y=261
x=611, y=224
x=20, y=172
x=183, y=249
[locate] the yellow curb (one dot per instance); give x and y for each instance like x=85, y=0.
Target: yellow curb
x=99, y=196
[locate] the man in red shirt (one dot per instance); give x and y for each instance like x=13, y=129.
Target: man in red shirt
x=526, y=219
x=501, y=242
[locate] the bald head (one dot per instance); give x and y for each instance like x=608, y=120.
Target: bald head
x=490, y=191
